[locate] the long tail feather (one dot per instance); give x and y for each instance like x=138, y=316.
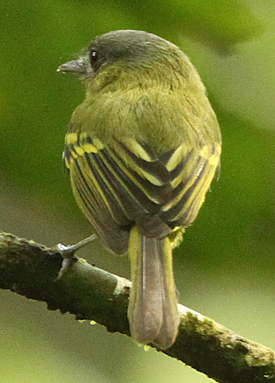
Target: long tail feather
x=152, y=312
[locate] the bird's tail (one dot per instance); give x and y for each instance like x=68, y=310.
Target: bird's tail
x=152, y=311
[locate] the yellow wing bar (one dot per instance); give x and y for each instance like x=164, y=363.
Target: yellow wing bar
x=123, y=183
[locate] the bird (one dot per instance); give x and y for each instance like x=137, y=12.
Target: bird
x=142, y=150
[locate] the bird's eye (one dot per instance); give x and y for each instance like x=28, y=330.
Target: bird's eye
x=94, y=58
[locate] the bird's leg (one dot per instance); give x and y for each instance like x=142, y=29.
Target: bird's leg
x=68, y=253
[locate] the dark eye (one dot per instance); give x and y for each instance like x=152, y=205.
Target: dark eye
x=94, y=58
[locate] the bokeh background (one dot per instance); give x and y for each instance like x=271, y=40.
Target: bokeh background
x=226, y=265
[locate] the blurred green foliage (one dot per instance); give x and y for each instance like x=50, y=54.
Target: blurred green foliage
x=225, y=265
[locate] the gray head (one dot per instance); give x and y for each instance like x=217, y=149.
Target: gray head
x=128, y=48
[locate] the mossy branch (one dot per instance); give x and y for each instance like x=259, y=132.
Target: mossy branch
x=30, y=269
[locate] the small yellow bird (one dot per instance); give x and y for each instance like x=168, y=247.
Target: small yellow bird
x=142, y=150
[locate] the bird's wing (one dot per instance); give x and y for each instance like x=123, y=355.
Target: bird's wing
x=125, y=183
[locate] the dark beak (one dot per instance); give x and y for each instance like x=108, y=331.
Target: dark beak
x=76, y=66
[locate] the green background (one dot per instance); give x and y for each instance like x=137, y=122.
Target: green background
x=226, y=265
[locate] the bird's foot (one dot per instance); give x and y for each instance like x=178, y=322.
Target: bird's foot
x=68, y=253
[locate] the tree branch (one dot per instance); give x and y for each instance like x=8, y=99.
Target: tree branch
x=88, y=292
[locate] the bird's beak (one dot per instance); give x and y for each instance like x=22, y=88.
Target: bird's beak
x=77, y=67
